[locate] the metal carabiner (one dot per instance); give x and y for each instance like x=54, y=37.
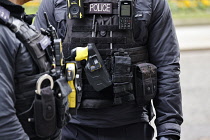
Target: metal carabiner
x=40, y=80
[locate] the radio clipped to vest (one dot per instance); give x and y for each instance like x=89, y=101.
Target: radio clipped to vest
x=125, y=14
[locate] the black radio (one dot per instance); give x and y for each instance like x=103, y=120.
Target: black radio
x=75, y=9
x=125, y=14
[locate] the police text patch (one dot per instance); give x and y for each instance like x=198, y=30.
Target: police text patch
x=100, y=8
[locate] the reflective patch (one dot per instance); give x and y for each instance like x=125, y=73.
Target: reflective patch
x=4, y=14
x=45, y=42
x=100, y=8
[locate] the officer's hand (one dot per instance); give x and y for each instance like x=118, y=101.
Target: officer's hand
x=168, y=138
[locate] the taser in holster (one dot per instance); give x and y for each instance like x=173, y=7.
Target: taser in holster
x=70, y=76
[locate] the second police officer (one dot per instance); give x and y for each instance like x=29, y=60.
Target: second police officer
x=33, y=104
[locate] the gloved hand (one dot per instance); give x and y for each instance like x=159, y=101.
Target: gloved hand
x=171, y=137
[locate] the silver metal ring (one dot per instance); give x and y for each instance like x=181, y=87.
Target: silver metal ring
x=40, y=80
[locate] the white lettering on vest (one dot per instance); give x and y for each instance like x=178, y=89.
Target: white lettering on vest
x=99, y=8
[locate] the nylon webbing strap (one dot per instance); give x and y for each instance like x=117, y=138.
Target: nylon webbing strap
x=126, y=98
x=138, y=54
x=123, y=87
x=99, y=28
x=121, y=78
x=99, y=40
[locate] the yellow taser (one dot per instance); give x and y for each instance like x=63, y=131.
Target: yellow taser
x=70, y=71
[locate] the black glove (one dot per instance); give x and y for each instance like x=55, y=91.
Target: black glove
x=168, y=138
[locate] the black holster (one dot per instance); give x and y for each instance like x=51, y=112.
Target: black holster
x=45, y=113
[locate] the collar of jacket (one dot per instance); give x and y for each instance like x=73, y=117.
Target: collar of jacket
x=16, y=11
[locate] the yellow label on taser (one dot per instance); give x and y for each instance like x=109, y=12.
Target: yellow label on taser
x=72, y=96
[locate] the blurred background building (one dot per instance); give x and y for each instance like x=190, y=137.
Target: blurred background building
x=192, y=22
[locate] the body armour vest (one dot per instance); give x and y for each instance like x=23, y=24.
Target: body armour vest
x=120, y=48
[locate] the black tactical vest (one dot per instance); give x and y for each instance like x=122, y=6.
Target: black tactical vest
x=102, y=28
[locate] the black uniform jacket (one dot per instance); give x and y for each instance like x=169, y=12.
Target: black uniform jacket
x=158, y=34
x=15, y=63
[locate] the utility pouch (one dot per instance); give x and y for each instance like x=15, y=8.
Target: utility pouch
x=95, y=69
x=45, y=113
x=122, y=77
x=61, y=99
x=145, y=82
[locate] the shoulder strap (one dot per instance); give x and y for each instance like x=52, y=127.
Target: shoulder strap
x=34, y=41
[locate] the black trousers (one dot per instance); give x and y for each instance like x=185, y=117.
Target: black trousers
x=136, y=131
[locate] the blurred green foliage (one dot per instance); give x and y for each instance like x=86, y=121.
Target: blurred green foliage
x=190, y=8
x=31, y=9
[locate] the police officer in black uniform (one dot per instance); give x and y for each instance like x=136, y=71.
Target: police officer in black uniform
x=137, y=41
x=33, y=105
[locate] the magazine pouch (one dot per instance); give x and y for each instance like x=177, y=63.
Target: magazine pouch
x=145, y=82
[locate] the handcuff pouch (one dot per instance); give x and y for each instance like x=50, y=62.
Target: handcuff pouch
x=45, y=113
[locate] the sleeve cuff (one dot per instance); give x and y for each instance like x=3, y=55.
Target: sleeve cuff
x=168, y=129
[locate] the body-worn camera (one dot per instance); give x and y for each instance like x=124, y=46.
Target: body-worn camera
x=75, y=9
x=125, y=10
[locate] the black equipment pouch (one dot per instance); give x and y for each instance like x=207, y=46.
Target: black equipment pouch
x=61, y=99
x=95, y=69
x=145, y=80
x=122, y=77
x=45, y=113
